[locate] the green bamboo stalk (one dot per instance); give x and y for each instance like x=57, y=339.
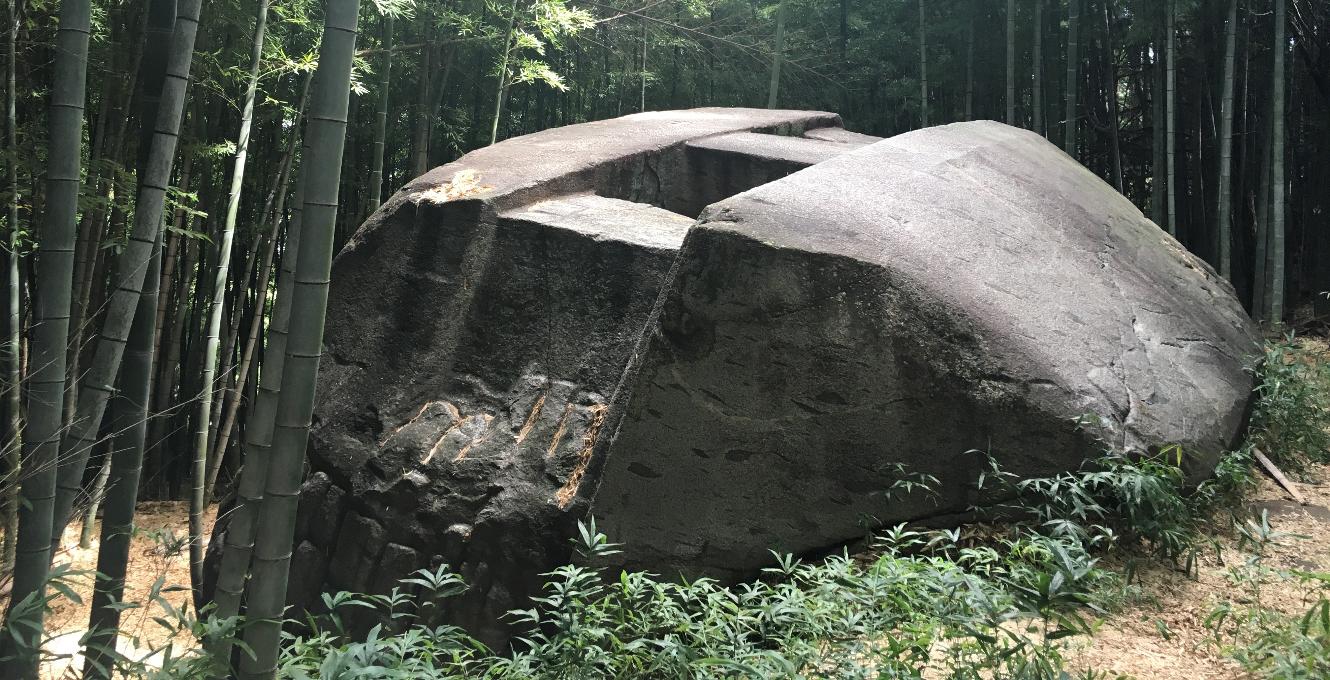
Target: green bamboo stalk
x=55, y=277
x=132, y=266
x=1073, y=75
x=777, y=55
x=503, y=71
x=1037, y=66
x=277, y=203
x=239, y=541
x=923, y=68
x=642, y=106
x=14, y=442
x=1276, y=255
x=1225, y=227
x=381, y=118
x=198, y=499
x=1158, y=179
x=1115, y=145
x=265, y=594
x=129, y=425
x=1261, y=258
x=969, y=61
x=1171, y=111
x=1011, y=62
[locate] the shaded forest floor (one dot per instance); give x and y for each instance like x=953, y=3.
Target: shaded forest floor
x=1159, y=631
x=158, y=556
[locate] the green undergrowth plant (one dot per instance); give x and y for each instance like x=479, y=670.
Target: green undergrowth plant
x=1265, y=640
x=1115, y=501
x=910, y=612
x=1290, y=419
x=174, y=652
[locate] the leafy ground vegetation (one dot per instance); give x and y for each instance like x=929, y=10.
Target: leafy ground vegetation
x=1083, y=578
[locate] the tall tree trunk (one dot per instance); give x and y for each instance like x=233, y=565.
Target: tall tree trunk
x=1073, y=75
x=13, y=441
x=380, y=119
x=55, y=277
x=267, y=588
x=167, y=342
x=1224, y=228
x=424, y=114
x=129, y=411
x=1276, y=256
x=503, y=71
x=1115, y=147
x=643, y=104
x=1261, y=216
x=1159, y=180
x=276, y=206
x=132, y=267
x=969, y=63
x=923, y=68
x=172, y=255
x=1170, y=111
x=844, y=33
x=198, y=498
x=777, y=55
x=240, y=527
x=1011, y=62
x=1037, y=78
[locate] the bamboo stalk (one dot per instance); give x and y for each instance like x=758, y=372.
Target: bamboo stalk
x=266, y=591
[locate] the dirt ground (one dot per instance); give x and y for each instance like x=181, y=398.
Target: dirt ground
x=159, y=550
x=1162, y=635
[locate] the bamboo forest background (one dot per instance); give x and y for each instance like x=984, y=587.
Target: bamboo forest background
x=1212, y=116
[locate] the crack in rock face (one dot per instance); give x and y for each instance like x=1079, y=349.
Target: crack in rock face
x=723, y=332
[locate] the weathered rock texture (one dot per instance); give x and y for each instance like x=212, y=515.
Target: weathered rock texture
x=541, y=330
x=956, y=288
x=479, y=324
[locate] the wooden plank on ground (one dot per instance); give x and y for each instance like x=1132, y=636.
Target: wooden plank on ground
x=1278, y=476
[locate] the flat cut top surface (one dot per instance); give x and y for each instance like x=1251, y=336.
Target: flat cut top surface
x=997, y=224
x=545, y=157
x=842, y=136
x=609, y=219
x=776, y=147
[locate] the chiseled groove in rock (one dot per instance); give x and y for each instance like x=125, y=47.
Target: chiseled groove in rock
x=421, y=412
x=568, y=491
x=530, y=420
x=558, y=433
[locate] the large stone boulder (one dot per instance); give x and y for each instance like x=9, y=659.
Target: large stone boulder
x=959, y=288
x=479, y=324
x=541, y=330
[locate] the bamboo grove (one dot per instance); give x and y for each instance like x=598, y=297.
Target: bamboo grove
x=179, y=174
